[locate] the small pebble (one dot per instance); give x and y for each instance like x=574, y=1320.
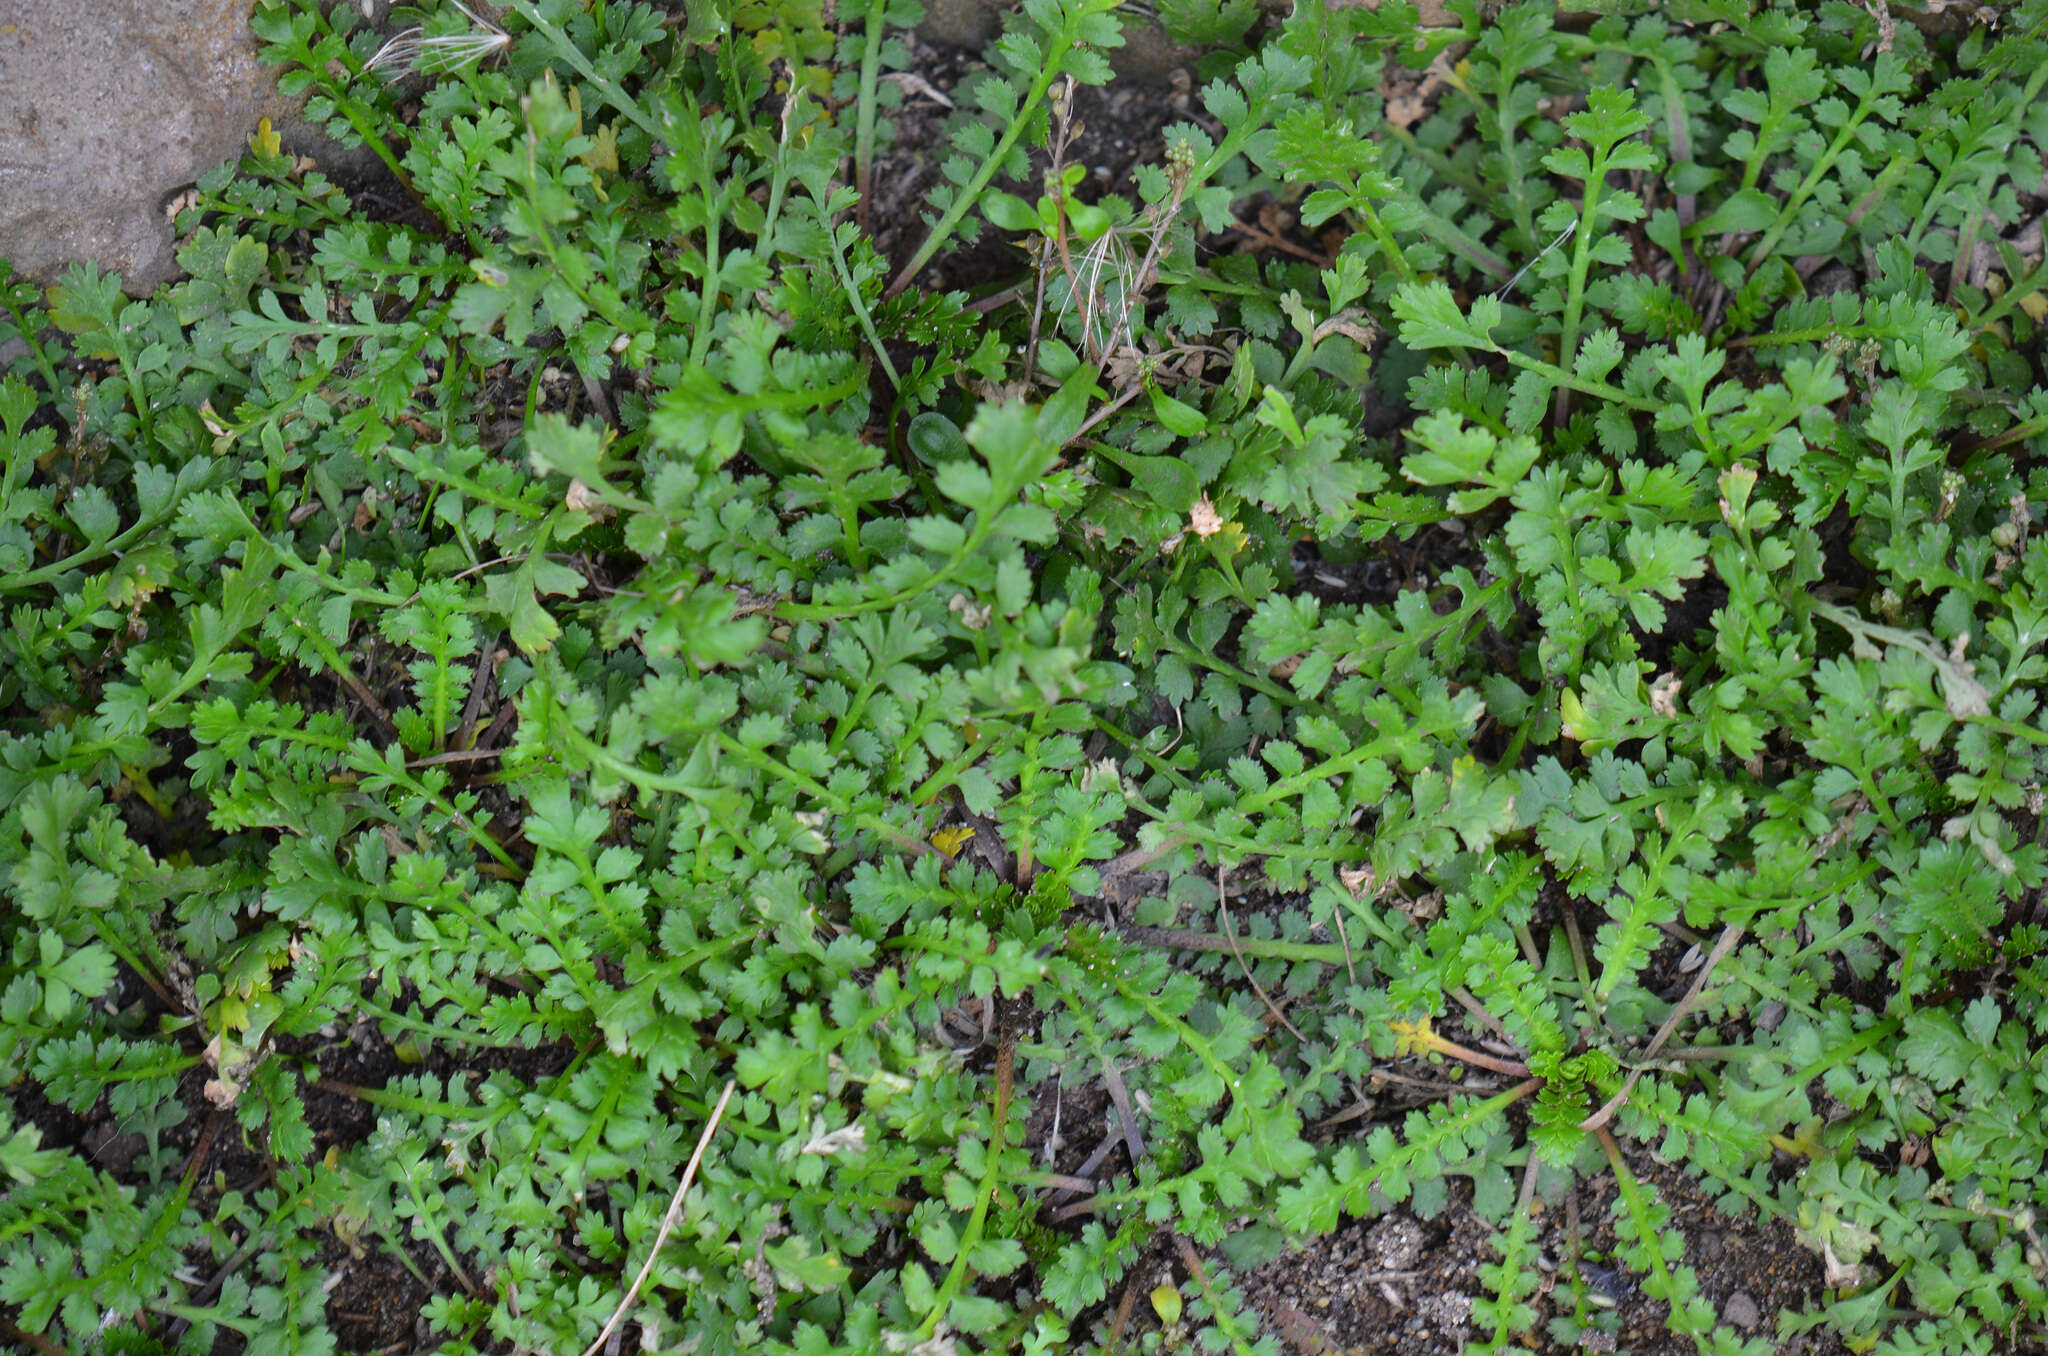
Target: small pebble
x=1396, y=1242
x=1740, y=1311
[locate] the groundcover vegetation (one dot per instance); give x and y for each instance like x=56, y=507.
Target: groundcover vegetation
x=871, y=819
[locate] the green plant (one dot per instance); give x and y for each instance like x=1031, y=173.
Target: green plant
x=481, y=683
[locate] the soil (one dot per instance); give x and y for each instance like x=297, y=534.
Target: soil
x=1404, y=1283
x=1121, y=127
x=1400, y=1283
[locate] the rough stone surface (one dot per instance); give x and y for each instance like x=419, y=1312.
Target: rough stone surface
x=106, y=111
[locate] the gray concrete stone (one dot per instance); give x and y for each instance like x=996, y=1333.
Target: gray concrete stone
x=106, y=111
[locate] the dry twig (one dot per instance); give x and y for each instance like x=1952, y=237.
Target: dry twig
x=668, y=1221
x=1730, y=935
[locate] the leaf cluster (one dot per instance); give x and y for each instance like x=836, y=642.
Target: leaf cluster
x=1558, y=631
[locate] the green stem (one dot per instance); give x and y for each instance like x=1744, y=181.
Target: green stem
x=707, y=300
x=1244, y=848
x=358, y=114
x=948, y=772
x=2018, y=432
x=420, y=1027
x=984, y=527
x=372, y=764
x=1582, y=262
x=1441, y=165
x=853, y=297
x=864, y=126
x=1514, y=173
x=1216, y=664
x=1259, y=948
x=1845, y=1052
x=604, y=760
x=258, y=542
x=984, y=1192
x=1053, y=65
x=1158, y=764
x=1565, y=378
x=28, y=332
x=1388, y=248
x=143, y=527
x=1641, y=1213
x=1457, y=240
x=573, y=57
x=2016, y=291
x=761, y=762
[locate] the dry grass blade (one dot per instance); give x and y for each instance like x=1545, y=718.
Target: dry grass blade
x=1730, y=935
x=1230, y=933
x=668, y=1221
x=1127, y=1119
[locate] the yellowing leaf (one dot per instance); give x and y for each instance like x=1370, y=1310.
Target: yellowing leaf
x=1573, y=713
x=1804, y=1141
x=135, y=780
x=951, y=840
x=1413, y=1038
x=1166, y=1303
x=604, y=150
x=233, y=1014
x=265, y=142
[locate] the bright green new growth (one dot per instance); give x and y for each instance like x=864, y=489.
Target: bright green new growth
x=605, y=632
